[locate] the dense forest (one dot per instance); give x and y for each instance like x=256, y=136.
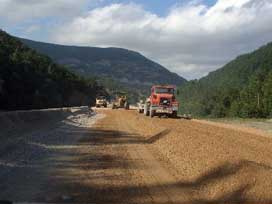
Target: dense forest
x=242, y=88
x=29, y=80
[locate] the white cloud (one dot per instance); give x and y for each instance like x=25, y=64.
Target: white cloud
x=19, y=10
x=32, y=29
x=192, y=39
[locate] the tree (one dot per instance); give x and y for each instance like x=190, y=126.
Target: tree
x=267, y=90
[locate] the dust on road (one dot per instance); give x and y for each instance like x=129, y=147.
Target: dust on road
x=129, y=158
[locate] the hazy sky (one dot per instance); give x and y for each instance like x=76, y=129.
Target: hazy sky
x=190, y=38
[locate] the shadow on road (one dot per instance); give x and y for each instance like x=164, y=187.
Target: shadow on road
x=67, y=165
x=106, y=137
x=80, y=191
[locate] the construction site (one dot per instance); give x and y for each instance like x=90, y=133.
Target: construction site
x=136, y=102
x=104, y=155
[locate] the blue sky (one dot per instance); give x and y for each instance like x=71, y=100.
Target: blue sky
x=159, y=7
x=189, y=37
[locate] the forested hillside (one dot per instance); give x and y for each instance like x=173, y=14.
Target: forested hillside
x=242, y=88
x=122, y=64
x=129, y=69
x=29, y=80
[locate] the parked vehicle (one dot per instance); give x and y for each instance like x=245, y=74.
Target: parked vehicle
x=141, y=105
x=162, y=101
x=101, y=102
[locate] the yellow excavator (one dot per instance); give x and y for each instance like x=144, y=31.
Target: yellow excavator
x=120, y=101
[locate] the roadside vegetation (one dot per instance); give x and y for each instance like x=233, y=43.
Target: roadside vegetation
x=262, y=124
x=242, y=88
x=29, y=80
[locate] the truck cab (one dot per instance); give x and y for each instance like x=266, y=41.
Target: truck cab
x=162, y=101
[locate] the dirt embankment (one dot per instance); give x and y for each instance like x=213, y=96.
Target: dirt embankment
x=14, y=124
x=15, y=121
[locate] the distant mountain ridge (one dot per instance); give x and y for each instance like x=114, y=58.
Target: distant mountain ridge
x=125, y=66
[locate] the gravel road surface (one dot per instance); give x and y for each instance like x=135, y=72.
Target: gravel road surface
x=118, y=156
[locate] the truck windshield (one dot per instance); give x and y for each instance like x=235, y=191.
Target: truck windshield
x=164, y=90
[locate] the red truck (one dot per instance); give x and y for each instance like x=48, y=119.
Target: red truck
x=162, y=101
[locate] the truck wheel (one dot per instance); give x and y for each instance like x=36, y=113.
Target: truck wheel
x=146, y=112
x=174, y=114
x=126, y=105
x=152, y=113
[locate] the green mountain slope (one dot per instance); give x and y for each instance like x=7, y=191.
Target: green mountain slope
x=29, y=80
x=127, y=67
x=241, y=88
